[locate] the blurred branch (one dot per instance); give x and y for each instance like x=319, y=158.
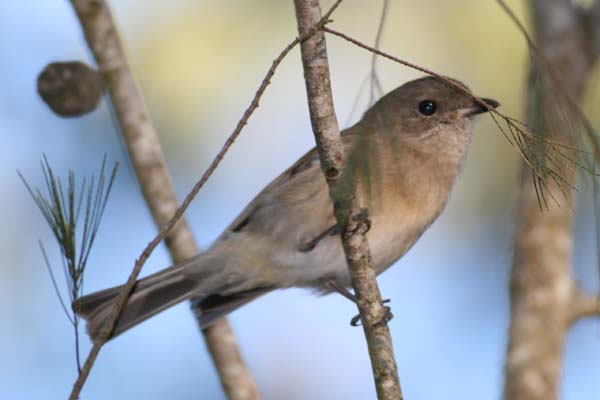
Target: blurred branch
x=146, y=156
x=552, y=158
x=349, y=217
x=98, y=27
x=544, y=296
x=583, y=305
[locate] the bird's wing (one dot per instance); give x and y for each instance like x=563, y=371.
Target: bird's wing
x=289, y=193
x=295, y=207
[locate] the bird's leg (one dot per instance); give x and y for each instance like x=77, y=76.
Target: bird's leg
x=355, y=321
x=311, y=244
x=361, y=218
x=336, y=287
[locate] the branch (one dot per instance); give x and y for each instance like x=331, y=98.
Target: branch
x=583, y=305
x=427, y=71
x=374, y=78
x=224, y=356
x=146, y=156
x=524, y=140
x=587, y=57
x=347, y=213
x=542, y=287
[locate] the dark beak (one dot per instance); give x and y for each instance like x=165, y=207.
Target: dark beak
x=479, y=108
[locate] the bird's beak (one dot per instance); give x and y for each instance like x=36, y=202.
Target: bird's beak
x=479, y=108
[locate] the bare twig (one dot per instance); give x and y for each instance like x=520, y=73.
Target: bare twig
x=375, y=86
x=220, y=339
x=347, y=213
x=528, y=144
x=565, y=94
x=58, y=293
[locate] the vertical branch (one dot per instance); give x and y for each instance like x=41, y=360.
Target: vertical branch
x=349, y=217
x=146, y=156
x=543, y=293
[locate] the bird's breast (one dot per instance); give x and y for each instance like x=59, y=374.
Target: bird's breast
x=404, y=209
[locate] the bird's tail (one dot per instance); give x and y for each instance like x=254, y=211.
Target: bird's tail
x=214, y=294
x=150, y=296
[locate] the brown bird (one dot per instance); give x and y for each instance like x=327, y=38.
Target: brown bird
x=404, y=156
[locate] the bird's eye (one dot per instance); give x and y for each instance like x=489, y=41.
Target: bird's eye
x=427, y=107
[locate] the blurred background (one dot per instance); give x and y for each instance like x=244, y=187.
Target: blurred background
x=199, y=63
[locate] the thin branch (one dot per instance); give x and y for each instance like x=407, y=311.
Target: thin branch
x=55, y=286
x=583, y=305
x=372, y=78
x=74, y=320
x=375, y=83
x=549, y=68
x=146, y=156
x=416, y=67
x=356, y=100
x=349, y=217
x=225, y=338
x=526, y=142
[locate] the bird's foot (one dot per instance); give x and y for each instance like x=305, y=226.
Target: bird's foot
x=363, y=223
x=311, y=244
x=387, y=316
x=333, y=285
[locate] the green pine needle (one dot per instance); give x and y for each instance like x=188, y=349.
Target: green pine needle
x=62, y=208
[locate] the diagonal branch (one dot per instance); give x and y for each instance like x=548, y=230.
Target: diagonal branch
x=235, y=378
x=562, y=156
x=342, y=193
x=146, y=156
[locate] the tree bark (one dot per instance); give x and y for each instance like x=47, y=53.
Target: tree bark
x=543, y=292
x=346, y=210
x=147, y=159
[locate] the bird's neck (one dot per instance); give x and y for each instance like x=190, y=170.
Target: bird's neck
x=411, y=176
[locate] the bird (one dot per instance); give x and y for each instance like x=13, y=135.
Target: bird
x=404, y=156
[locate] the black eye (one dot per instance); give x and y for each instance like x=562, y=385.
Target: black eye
x=427, y=107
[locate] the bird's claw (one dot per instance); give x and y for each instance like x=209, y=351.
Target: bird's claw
x=387, y=316
x=362, y=221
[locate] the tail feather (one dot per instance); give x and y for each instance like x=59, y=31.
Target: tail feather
x=150, y=296
x=210, y=308
x=214, y=294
